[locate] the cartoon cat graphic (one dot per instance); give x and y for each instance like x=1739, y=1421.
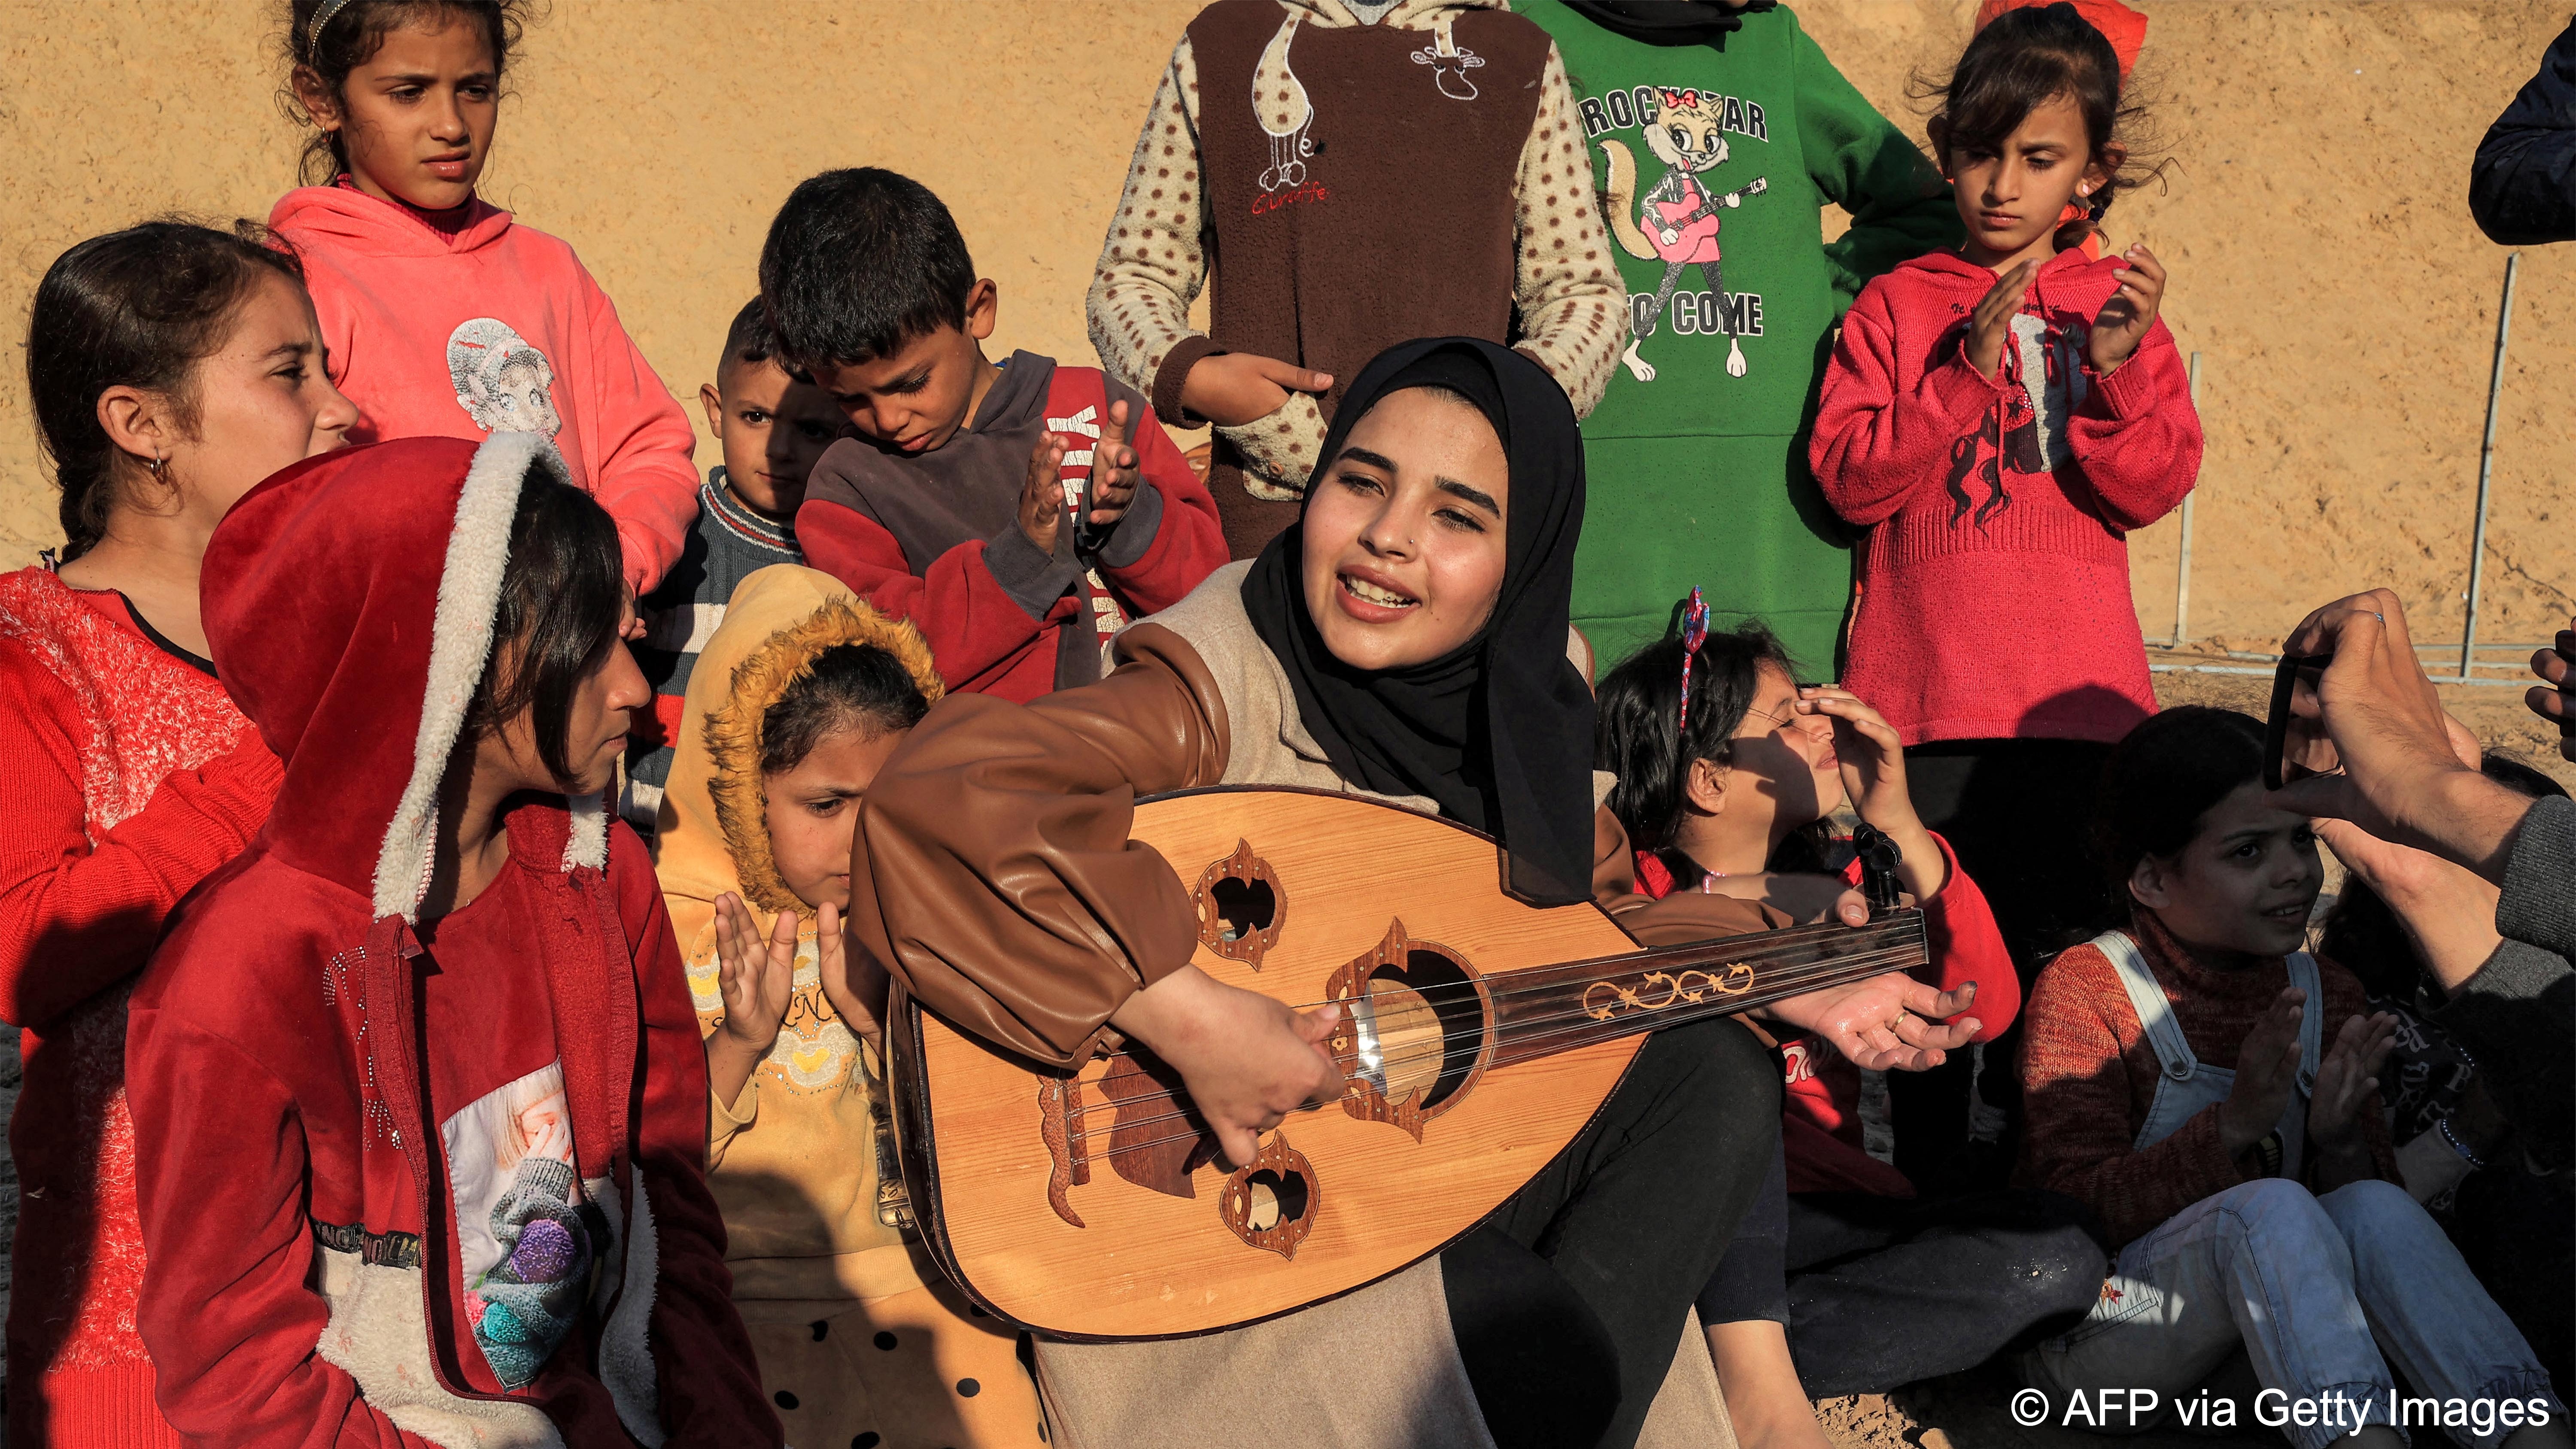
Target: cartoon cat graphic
x=1678, y=219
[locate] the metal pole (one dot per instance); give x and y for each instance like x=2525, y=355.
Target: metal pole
x=2486, y=468
x=2182, y=574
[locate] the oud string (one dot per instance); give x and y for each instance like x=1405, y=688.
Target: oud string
x=1851, y=968
x=1854, y=967
x=1804, y=974
x=1680, y=955
x=1084, y=1135
x=1813, y=976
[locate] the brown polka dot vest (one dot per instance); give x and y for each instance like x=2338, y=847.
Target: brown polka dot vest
x=1359, y=192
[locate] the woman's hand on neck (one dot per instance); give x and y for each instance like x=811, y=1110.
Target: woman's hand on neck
x=152, y=559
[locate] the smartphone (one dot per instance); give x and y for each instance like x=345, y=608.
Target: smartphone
x=2295, y=744
x=2565, y=648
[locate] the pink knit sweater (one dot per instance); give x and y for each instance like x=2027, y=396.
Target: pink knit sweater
x=1994, y=577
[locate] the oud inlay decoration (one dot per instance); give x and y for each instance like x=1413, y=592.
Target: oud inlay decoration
x=1241, y=906
x=1603, y=1000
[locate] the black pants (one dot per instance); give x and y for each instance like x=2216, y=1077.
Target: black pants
x=2511, y=1226
x=2019, y=813
x=1568, y=1303
x=1879, y=1291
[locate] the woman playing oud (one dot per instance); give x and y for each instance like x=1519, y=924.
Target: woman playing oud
x=1407, y=641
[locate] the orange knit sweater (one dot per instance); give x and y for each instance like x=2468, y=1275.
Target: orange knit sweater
x=2089, y=1075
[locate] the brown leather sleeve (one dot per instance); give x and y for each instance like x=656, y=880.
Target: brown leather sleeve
x=1677, y=919
x=992, y=869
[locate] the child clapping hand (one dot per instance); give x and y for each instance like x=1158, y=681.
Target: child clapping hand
x=758, y=982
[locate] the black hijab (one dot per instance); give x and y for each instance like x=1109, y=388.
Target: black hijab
x=1665, y=22
x=1498, y=731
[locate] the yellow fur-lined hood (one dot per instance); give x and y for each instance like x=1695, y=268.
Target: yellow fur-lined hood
x=712, y=837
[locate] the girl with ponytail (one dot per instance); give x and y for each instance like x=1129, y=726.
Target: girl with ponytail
x=172, y=367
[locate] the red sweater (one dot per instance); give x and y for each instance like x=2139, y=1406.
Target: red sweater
x=2089, y=1075
x=1820, y=1128
x=1994, y=579
x=130, y=776
x=993, y=608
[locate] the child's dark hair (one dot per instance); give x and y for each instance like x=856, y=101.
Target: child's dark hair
x=858, y=263
x=2163, y=778
x=748, y=340
x=350, y=34
x=562, y=599
x=134, y=308
x=1640, y=736
x=848, y=686
x=2362, y=934
x=2022, y=60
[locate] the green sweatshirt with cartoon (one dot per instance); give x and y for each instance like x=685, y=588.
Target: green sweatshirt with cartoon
x=1713, y=161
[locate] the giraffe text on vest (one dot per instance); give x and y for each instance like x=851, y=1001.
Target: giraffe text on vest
x=1277, y=200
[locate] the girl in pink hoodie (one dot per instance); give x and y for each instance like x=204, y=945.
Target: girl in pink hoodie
x=443, y=318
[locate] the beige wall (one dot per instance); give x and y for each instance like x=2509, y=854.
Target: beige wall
x=2323, y=261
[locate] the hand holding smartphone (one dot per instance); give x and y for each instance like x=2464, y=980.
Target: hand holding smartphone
x=2295, y=743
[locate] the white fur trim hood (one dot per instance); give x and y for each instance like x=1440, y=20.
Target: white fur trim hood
x=469, y=595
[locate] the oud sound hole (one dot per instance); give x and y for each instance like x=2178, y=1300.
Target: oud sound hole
x=1243, y=907
x=1276, y=1198
x=1429, y=1025
x=1271, y=1202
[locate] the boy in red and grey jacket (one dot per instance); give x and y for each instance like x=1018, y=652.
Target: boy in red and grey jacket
x=1001, y=508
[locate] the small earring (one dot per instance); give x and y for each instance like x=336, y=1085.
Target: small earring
x=156, y=465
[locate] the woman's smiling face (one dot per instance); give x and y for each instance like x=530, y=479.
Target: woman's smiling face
x=1404, y=538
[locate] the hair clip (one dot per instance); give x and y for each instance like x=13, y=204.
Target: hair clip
x=321, y=20
x=1694, y=634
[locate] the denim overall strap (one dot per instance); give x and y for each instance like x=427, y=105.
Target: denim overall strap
x=2184, y=1086
x=2312, y=1020
x=2147, y=998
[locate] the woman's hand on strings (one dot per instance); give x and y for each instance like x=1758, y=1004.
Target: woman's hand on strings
x=1888, y=1021
x=755, y=978
x=1991, y=323
x=1872, y=757
x=853, y=980
x=1246, y=1060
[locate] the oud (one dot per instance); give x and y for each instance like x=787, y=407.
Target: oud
x=1479, y=1035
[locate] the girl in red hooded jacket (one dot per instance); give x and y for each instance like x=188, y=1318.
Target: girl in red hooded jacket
x=445, y=317
x=1728, y=770
x=1999, y=418
x=419, y=1103
x=171, y=367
